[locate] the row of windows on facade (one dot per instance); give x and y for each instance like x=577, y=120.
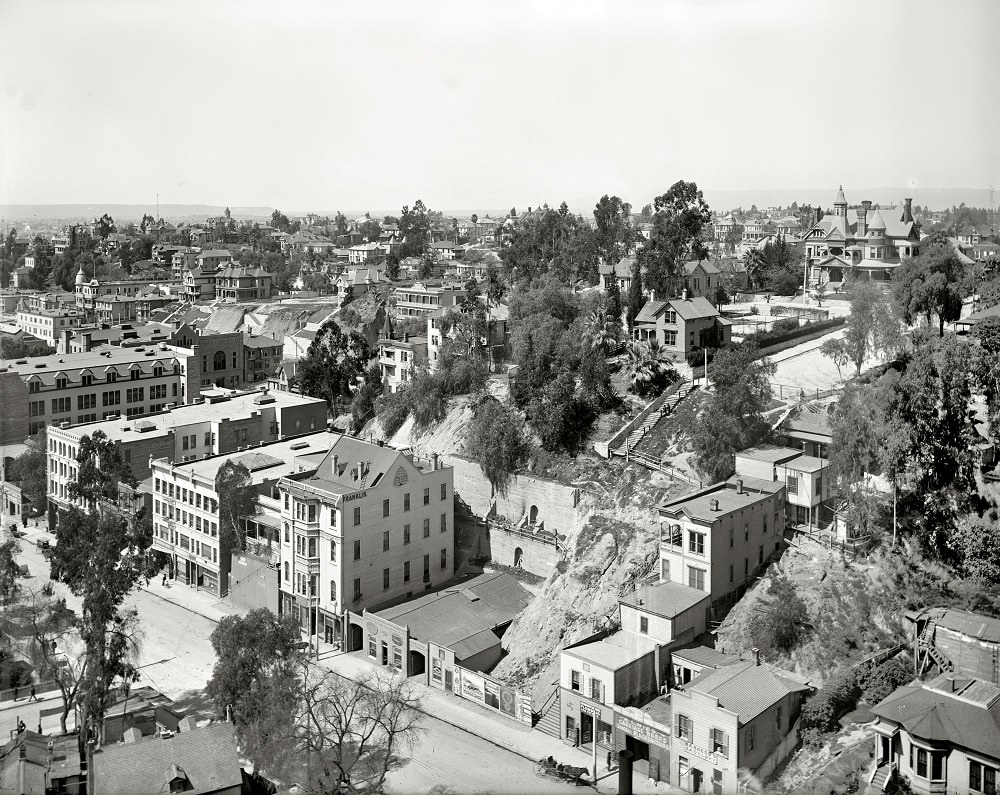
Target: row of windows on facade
x=207, y=551
x=696, y=540
x=36, y=408
x=718, y=739
x=111, y=377
x=190, y=496
x=307, y=511
x=307, y=585
x=186, y=518
x=306, y=546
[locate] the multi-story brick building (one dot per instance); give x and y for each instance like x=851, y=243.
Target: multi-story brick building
x=718, y=539
x=186, y=504
x=210, y=426
x=84, y=387
x=370, y=527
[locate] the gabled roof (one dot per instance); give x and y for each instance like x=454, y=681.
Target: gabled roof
x=207, y=757
x=650, y=311
x=692, y=308
x=706, y=265
x=748, y=689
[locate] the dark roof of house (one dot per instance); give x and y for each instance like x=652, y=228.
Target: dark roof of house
x=968, y=716
x=459, y=618
x=206, y=757
x=971, y=624
x=748, y=689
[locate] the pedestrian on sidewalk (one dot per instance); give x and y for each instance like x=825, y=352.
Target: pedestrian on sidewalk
x=16, y=688
x=609, y=760
x=31, y=695
x=164, y=582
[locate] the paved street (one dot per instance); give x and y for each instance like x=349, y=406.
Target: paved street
x=177, y=659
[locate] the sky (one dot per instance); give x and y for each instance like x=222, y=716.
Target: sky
x=304, y=104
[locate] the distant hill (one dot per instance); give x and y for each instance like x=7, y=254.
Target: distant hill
x=129, y=212
x=934, y=198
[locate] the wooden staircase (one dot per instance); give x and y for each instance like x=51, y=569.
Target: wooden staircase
x=881, y=778
x=930, y=653
x=668, y=407
x=548, y=720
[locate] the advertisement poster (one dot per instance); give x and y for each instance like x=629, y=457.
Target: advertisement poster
x=472, y=687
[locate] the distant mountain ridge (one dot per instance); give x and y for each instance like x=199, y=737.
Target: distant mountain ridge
x=720, y=200
x=129, y=212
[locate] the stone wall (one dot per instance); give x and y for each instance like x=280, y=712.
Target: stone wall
x=512, y=549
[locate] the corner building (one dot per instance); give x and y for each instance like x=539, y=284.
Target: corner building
x=370, y=527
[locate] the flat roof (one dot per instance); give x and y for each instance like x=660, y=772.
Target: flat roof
x=265, y=462
x=770, y=453
x=807, y=463
x=237, y=406
x=700, y=505
x=667, y=599
x=458, y=617
x=615, y=651
x=703, y=655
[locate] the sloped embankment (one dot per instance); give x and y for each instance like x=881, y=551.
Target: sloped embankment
x=854, y=609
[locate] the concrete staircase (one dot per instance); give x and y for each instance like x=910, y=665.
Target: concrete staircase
x=548, y=718
x=641, y=430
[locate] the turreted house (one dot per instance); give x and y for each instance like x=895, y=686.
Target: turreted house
x=869, y=242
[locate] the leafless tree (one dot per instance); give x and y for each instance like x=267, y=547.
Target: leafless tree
x=347, y=733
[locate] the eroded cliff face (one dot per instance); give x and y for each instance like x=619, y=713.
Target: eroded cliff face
x=612, y=543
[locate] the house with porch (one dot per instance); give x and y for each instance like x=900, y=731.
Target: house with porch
x=681, y=325
x=940, y=736
x=869, y=242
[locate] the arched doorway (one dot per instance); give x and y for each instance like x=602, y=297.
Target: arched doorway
x=418, y=664
x=355, y=638
x=518, y=554
x=533, y=514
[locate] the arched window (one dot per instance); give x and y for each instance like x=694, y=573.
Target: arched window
x=219, y=361
x=286, y=571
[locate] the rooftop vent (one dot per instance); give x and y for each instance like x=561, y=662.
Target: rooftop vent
x=713, y=505
x=40, y=366
x=299, y=446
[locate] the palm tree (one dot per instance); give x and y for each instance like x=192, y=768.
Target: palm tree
x=600, y=333
x=645, y=366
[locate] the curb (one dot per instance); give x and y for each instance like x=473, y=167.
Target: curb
x=422, y=711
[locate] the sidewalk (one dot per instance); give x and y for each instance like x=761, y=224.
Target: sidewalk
x=190, y=598
x=462, y=714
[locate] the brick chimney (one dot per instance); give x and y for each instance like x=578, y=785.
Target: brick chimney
x=863, y=218
x=907, y=210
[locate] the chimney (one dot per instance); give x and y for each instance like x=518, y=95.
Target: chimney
x=756, y=655
x=739, y=486
x=713, y=505
x=863, y=219
x=336, y=471
x=434, y=461
x=907, y=210
x=652, y=295
x=684, y=294
x=132, y=735
x=361, y=470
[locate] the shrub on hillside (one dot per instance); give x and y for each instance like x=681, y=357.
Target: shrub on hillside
x=824, y=708
x=392, y=411
x=879, y=682
x=781, y=626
